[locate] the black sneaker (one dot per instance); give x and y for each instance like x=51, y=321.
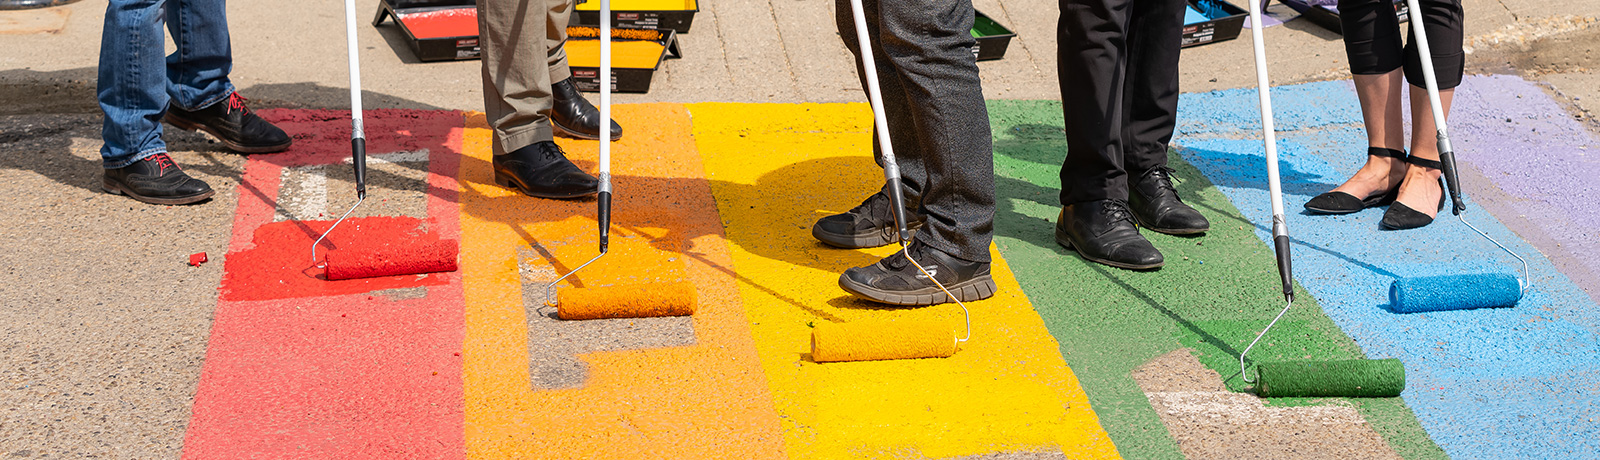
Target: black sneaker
x=868, y=225
x=895, y=281
x=156, y=180
x=573, y=116
x=231, y=122
x=543, y=170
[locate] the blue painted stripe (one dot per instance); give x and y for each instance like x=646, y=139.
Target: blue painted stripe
x=1492, y=383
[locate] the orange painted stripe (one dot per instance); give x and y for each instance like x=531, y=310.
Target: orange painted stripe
x=704, y=400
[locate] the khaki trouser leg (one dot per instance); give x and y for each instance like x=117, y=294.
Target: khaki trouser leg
x=520, y=41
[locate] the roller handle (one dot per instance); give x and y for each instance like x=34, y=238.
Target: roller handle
x=1280, y=246
x=358, y=156
x=605, y=220
x=1447, y=160
x=897, y=199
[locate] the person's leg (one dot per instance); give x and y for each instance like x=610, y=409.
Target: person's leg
x=1373, y=47
x=1380, y=111
x=1092, y=62
x=934, y=101
x=1421, y=194
x=1150, y=101
x=132, y=93
x=871, y=223
x=952, y=163
x=197, y=80
x=571, y=114
x=516, y=81
x=132, y=82
x=517, y=101
x=197, y=72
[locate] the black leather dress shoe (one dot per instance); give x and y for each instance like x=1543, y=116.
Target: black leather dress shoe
x=1156, y=205
x=868, y=225
x=1103, y=231
x=1402, y=217
x=543, y=170
x=156, y=180
x=895, y=281
x=1344, y=203
x=574, y=116
x=231, y=122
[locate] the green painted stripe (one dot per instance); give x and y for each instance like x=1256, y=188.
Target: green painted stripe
x=1213, y=295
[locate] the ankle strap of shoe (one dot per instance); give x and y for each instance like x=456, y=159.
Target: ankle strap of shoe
x=1424, y=162
x=1387, y=153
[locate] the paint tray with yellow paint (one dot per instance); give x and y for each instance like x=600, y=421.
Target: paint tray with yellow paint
x=636, y=54
x=676, y=15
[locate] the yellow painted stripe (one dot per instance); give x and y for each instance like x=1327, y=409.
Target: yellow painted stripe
x=775, y=169
x=704, y=400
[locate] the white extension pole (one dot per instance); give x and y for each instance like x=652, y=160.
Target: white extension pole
x=605, y=96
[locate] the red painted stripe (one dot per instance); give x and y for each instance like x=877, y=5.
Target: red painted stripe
x=335, y=374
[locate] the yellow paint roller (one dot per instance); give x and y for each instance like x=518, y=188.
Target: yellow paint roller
x=634, y=301
x=879, y=340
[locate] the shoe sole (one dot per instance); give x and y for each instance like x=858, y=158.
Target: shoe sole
x=565, y=132
x=114, y=189
x=979, y=288
x=501, y=180
x=187, y=125
x=872, y=240
x=1172, y=231
x=1064, y=242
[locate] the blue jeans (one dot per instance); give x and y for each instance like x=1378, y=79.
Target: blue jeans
x=136, y=85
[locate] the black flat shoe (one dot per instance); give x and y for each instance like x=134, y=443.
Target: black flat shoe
x=1402, y=217
x=543, y=170
x=1344, y=203
x=1156, y=205
x=1103, y=231
x=573, y=116
x=156, y=180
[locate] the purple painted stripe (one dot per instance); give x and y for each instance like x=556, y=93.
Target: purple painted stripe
x=1544, y=165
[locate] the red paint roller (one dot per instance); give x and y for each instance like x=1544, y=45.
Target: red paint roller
x=389, y=260
x=397, y=257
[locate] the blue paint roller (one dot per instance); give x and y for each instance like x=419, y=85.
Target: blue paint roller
x=1453, y=292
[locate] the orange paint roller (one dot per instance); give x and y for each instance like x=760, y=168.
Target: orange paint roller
x=629, y=301
x=633, y=301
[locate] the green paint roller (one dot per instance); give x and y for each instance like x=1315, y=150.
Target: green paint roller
x=1350, y=378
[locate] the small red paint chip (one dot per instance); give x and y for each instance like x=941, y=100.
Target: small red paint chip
x=196, y=259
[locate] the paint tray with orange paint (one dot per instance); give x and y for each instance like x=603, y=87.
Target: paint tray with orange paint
x=677, y=15
x=636, y=54
x=436, y=30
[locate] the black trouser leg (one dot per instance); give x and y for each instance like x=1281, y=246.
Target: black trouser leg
x=1091, y=62
x=1150, y=98
x=938, y=122
x=1373, y=45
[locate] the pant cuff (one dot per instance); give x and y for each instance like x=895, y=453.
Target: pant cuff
x=511, y=140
